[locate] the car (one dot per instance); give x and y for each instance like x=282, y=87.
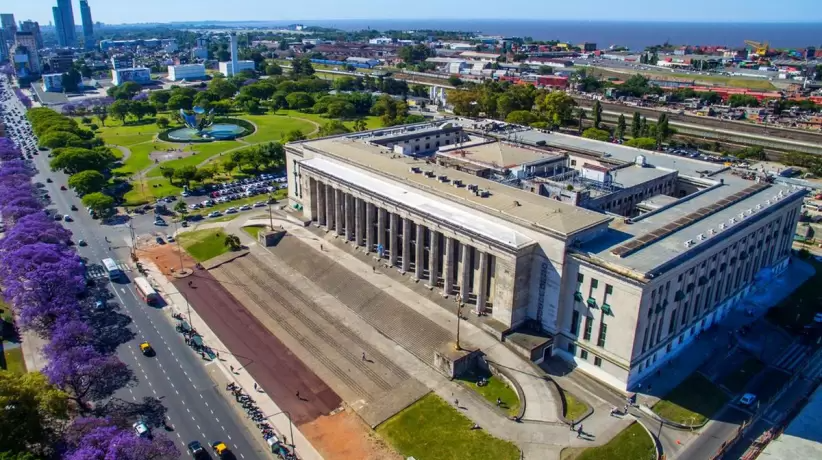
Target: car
x=146, y=349
x=219, y=448
x=58, y=217
x=747, y=399
x=215, y=214
x=73, y=207
x=63, y=188
x=142, y=429
x=49, y=180
x=184, y=194
x=67, y=218
x=231, y=210
x=196, y=449
x=185, y=224
x=259, y=204
x=169, y=238
x=159, y=222
x=817, y=318
x=160, y=240
x=245, y=207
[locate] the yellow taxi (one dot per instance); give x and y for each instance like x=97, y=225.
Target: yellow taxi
x=146, y=349
x=219, y=448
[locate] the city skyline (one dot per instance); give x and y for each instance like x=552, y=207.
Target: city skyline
x=598, y=10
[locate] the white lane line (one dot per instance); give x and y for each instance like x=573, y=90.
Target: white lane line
x=221, y=426
x=198, y=427
x=203, y=434
x=229, y=436
x=217, y=419
x=241, y=454
x=122, y=290
x=154, y=391
x=130, y=391
x=188, y=410
x=168, y=417
x=201, y=397
x=178, y=435
x=212, y=412
x=192, y=419
x=134, y=398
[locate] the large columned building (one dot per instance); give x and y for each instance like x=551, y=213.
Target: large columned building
x=620, y=256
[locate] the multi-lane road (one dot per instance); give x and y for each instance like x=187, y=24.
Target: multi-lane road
x=176, y=375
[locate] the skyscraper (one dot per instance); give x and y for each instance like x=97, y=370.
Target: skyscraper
x=64, y=23
x=88, y=25
x=235, y=55
x=33, y=27
x=8, y=25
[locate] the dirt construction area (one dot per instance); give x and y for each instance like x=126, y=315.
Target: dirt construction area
x=280, y=372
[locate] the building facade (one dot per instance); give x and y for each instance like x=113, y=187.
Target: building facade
x=24, y=54
x=136, y=74
x=64, y=23
x=33, y=27
x=617, y=294
x=227, y=68
x=186, y=72
x=8, y=27
x=53, y=82
x=88, y=25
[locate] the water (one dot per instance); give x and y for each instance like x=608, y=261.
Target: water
x=218, y=131
x=634, y=35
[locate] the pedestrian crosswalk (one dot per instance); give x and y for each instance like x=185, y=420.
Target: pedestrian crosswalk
x=793, y=357
x=95, y=271
x=814, y=369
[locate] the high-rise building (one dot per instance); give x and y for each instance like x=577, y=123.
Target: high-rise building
x=33, y=27
x=8, y=26
x=4, y=49
x=88, y=25
x=25, y=57
x=64, y=23
x=235, y=55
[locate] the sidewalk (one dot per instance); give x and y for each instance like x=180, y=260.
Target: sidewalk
x=538, y=439
x=280, y=422
x=32, y=346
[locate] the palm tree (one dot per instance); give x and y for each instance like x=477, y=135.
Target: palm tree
x=233, y=242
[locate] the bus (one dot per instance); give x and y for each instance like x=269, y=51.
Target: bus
x=145, y=291
x=113, y=270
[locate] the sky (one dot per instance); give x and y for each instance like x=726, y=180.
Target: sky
x=123, y=11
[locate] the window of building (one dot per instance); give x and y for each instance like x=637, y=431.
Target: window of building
x=597, y=361
x=580, y=278
x=572, y=348
x=668, y=348
x=575, y=322
x=645, y=340
x=594, y=283
x=583, y=354
x=658, y=329
x=609, y=289
x=672, y=323
x=589, y=325
x=603, y=330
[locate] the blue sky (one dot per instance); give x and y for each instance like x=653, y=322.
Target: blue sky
x=123, y=11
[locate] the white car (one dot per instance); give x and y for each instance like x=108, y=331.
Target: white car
x=245, y=207
x=142, y=429
x=169, y=238
x=259, y=204
x=214, y=214
x=747, y=399
x=231, y=210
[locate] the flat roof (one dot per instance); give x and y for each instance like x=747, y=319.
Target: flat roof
x=634, y=175
x=801, y=439
x=518, y=206
x=499, y=154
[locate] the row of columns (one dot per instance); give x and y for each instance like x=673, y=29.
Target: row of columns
x=391, y=237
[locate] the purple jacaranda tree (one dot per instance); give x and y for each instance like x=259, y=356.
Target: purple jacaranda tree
x=86, y=374
x=8, y=151
x=23, y=98
x=68, y=334
x=17, y=203
x=140, y=97
x=103, y=439
x=69, y=109
x=34, y=228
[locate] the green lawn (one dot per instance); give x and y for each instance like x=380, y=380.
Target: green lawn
x=431, y=429
x=272, y=127
x=574, y=408
x=139, y=159
x=203, y=153
x=116, y=134
x=203, y=244
x=371, y=121
x=151, y=189
x=13, y=361
x=496, y=388
x=799, y=308
x=632, y=443
x=254, y=230
x=738, y=379
x=693, y=401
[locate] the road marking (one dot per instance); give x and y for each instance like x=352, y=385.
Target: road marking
x=130, y=391
x=212, y=412
x=178, y=435
x=201, y=397
x=188, y=410
x=241, y=454
x=172, y=384
x=229, y=436
x=177, y=393
x=134, y=398
x=169, y=419
x=221, y=426
x=217, y=419
x=154, y=391
x=198, y=427
x=192, y=419
x=123, y=290
x=203, y=434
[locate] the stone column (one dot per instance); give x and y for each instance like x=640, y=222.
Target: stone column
x=381, y=227
x=482, y=289
x=329, y=207
x=448, y=267
x=338, y=208
x=369, y=227
x=406, y=245
x=392, y=240
x=360, y=220
x=320, y=187
x=349, y=217
x=420, y=252
x=434, y=259
x=467, y=269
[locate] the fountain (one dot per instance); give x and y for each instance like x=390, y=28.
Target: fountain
x=200, y=126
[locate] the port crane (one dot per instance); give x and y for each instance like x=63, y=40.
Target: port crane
x=760, y=48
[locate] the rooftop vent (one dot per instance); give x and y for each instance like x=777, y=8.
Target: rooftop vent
x=640, y=160
x=722, y=226
x=741, y=215
x=758, y=207
x=749, y=211
x=689, y=243
x=457, y=183
x=473, y=187
x=700, y=237
x=484, y=194
x=416, y=170
x=732, y=220
x=442, y=178
x=711, y=232
x=429, y=174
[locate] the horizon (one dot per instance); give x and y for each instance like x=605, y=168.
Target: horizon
x=598, y=11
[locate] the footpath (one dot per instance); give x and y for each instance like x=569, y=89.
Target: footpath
x=280, y=422
x=540, y=435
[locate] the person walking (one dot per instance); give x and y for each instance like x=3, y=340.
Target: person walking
x=363, y=356
x=579, y=431
x=499, y=402
x=232, y=369
x=298, y=394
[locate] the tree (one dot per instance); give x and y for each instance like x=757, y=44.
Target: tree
x=619, y=133
x=580, y=118
x=162, y=123
x=103, y=438
x=168, y=173
x=556, y=107
x=415, y=54
x=299, y=100
x=597, y=112
x=545, y=70
x=273, y=69
x=644, y=143
x=521, y=117
x=186, y=174
x=636, y=125
x=233, y=242
x=32, y=412
x=333, y=128
x=58, y=139
x=181, y=209
x=597, y=134
x=222, y=88
x=205, y=173
x=98, y=202
x=340, y=109
x=360, y=125
x=86, y=182
x=302, y=67
x=293, y=136
x=179, y=101
x=743, y=100
x=643, y=127
x=455, y=81
x=72, y=160
x=120, y=109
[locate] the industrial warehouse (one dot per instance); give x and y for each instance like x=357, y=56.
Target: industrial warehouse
x=619, y=256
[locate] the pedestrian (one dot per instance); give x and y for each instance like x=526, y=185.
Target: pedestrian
x=579, y=431
x=298, y=395
x=573, y=423
x=255, y=386
x=374, y=268
x=499, y=402
x=363, y=356
x=322, y=248
x=189, y=283
x=456, y=402
x=232, y=368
